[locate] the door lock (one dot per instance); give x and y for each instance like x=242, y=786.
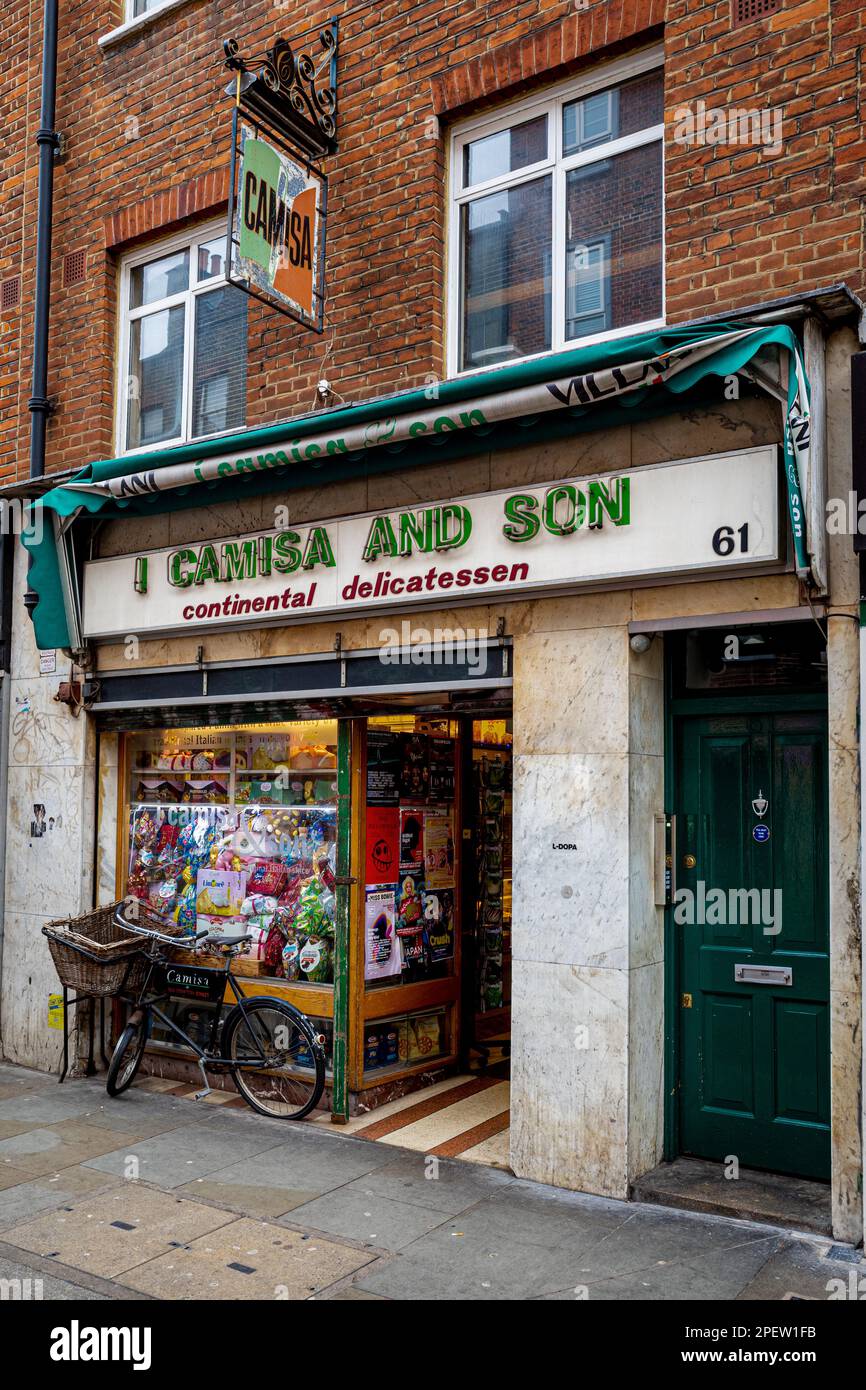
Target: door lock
x=689, y=861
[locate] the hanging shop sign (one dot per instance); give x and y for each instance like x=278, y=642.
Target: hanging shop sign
x=679, y=518
x=276, y=227
x=283, y=124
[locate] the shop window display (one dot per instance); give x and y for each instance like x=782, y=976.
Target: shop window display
x=234, y=831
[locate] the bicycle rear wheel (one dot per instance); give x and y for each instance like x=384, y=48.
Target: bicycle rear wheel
x=289, y=1079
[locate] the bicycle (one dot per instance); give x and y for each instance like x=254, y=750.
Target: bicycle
x=271, y=1050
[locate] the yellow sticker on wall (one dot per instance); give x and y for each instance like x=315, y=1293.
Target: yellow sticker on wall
x=55, y=1011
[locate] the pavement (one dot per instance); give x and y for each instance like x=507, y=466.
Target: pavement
x=154, y=1196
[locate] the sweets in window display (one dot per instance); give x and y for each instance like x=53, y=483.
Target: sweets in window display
x=245, y=868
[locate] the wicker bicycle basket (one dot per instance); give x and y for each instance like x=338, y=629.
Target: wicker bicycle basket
x=92, y=955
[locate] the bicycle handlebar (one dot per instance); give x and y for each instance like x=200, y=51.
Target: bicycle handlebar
x=152, y=934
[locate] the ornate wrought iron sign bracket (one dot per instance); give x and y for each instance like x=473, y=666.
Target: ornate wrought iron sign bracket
x=292, y=88
x=283, y=125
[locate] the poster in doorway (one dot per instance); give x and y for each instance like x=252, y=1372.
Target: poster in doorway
x=438, y=851
x=383, y=768
x=382, y=957
x=383, y=844
x=411, y=842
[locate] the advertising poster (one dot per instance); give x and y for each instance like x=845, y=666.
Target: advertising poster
x=441, y=769
x=383, y=844
x=414, y=768
x=381, y=944
x=383, y=768
x=438, y=852
x=411, y=842
x=439, y=924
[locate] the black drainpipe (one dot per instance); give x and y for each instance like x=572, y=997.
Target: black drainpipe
x=49, y=143
x=38, y=404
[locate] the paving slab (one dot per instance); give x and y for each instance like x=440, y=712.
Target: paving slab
x=112, y=1233
x=352, y=1294
x=44, y=1150
x=531, y=1218
x=10, y=1177
x=47, y=1106
x=248, y=1260
x=443, y=1184
x=34, y=1195
x=23, y=1077
x=135, y=1113
x=665, y=1283
x=807, y=1270
x=178, y=1156
x=445, y=1265
x=37, y=1287
x=367, y=1217
x=245, y=1198
x=297, y=1172
x=648, y=1236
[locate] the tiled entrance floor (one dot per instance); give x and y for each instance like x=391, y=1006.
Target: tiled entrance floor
x=462, y=1117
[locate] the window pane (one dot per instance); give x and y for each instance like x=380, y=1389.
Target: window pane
x=506, y=242
x=613, y=251
x=505, y=151
x=212, y=259
x=155, y=383
x=220, y=368
x=158, y=279
x=613, y=113
x=144, y=7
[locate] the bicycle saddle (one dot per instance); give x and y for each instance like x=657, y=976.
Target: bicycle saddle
x=228, y=940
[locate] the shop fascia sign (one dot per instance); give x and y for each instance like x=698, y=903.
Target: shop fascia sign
x=681, y=518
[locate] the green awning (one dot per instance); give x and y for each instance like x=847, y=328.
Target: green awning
x=587, y=388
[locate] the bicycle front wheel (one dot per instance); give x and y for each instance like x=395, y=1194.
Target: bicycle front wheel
x=127, y=1055
x=279, y=1062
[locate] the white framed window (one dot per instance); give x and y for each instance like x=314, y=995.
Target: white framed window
x=136, y=8
x=556, y=232
x=182, y=350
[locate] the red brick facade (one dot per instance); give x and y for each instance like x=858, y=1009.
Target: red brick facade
x=146, y=130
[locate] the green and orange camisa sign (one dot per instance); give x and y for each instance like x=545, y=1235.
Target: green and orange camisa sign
x=279, y=217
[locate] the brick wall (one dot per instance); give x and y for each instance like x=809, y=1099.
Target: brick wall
x=146, y=128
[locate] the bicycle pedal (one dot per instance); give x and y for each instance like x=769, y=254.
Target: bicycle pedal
x=200, y=1095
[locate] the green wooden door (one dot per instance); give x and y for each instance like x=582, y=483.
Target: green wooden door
x=754, y=1054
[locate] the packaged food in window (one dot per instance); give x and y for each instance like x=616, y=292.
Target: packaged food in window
x=372, y=1058
x=144, y=829
x=159, y=792
x=315, y=960
x=204, y=793
x=266, y=876
x=290, y=956
x=424, y=1037
x=389, y=1046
